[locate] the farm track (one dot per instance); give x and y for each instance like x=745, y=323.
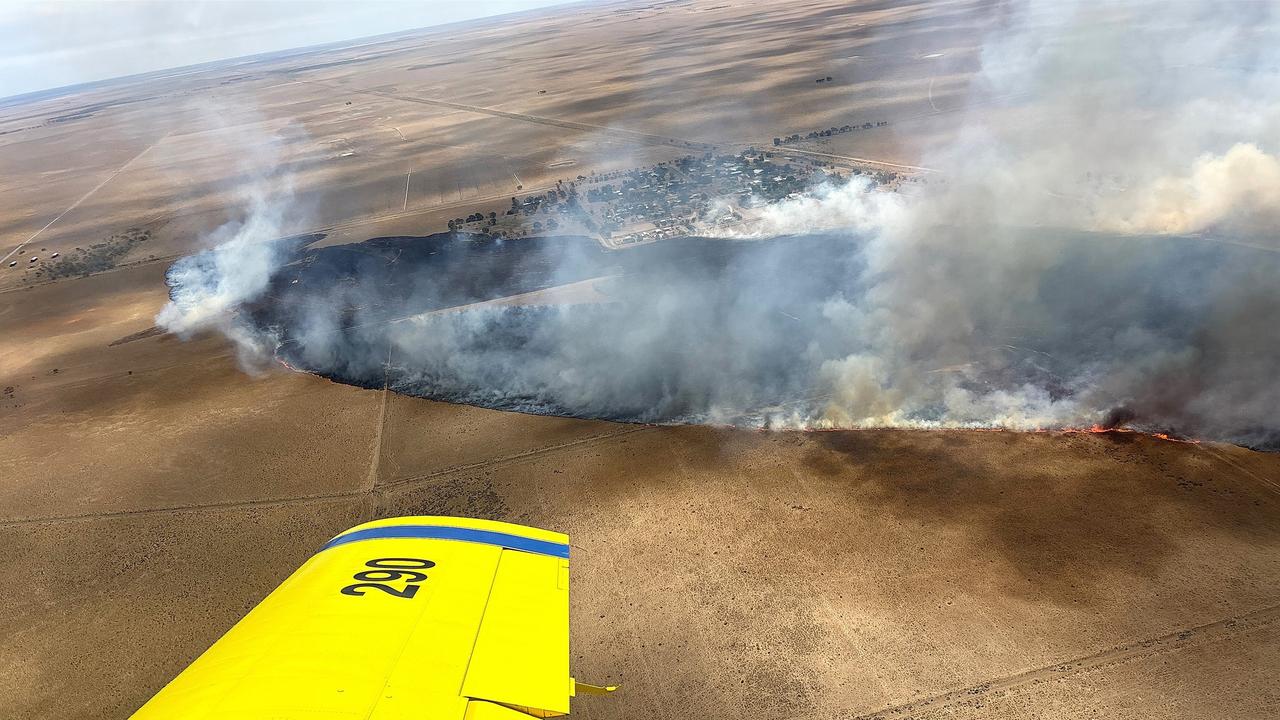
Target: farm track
x=367, y=489
x=1170, y=642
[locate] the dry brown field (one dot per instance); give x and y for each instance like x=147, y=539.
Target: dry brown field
x=151, y=491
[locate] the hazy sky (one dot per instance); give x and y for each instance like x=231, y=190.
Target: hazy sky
x=51, y=44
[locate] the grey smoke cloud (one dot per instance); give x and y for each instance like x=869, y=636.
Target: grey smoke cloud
x=207, y=289
x=1128, y=120
x=1099, y=247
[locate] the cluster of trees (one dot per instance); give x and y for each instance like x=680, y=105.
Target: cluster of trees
x=881, y=177
x=662, y=193
x=562, y=200
x=490, y=221
x=533, y=203
x=815, y=134
x=95, y=258
x=605, y=193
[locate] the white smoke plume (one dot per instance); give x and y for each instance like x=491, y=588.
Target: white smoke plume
x=208, y=289
x=1237, y=192
x=853, y=205
x=1111, y=130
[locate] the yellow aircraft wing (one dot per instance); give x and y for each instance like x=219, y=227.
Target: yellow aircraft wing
x=431, y=618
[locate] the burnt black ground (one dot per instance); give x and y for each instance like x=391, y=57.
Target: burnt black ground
x=713, y=330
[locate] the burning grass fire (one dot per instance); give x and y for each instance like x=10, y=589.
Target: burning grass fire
x=1095, y=246
x=1120, y=335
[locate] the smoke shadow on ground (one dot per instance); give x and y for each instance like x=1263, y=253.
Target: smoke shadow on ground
x=1042, y=526
x=121, y=377
x=1075, y=517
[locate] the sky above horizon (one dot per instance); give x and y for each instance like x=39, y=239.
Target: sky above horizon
x=47, y=45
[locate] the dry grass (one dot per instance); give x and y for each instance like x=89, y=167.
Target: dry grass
x=152, y=492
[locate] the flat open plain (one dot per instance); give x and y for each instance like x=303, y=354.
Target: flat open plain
x=151, y=492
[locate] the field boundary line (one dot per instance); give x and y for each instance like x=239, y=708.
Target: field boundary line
x=1266, y=482
x=514, y=457
x=362, y=492
x=84, y=197
x=525, y=117
x=194, y=507
x=1169, y=642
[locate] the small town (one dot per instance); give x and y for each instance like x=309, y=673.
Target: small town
x=690, y=195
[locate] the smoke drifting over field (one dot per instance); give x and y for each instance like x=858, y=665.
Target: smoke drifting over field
x=208, y=288
x=1100, y=247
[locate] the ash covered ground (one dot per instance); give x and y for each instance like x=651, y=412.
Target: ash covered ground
x=1119, y=331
